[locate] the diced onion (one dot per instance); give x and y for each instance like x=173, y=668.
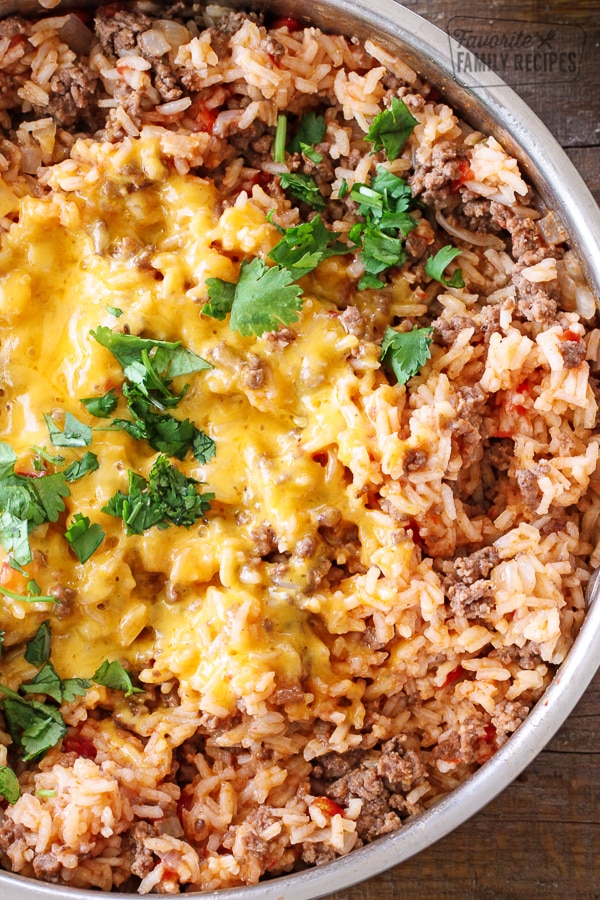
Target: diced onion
x=471, y=237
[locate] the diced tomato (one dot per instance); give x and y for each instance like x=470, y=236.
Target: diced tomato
x=570, y=336
x=30, y=474
x=261, y=178
x=82, y=746
x=502, y=434
x=10, y=578
x=204, y=117
x=466, y=174
x=454, y=676
x=15, y=40
x=490, y=733
x=328, y=806
x=286, y=22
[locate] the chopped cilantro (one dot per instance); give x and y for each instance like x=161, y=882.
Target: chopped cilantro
x=303, y=187
x=74, y=433
x=384, y=203
x=74, y=687
x=114, y=311
x=405, y=352
x=113, y=676
x=151, y=364
x=392, y=128
x=9, y=785
x=26, y=503
x=80, y=467
x=101, y=407
x=168, y=498
x=32, y=596
x=263, y=298
x=343, y=189
x=83, y=537
x=221, y=296
x=311, y=131
x=164, y=432
x=42, y=455
x=37, y=650
x=34, y=727
x=45, y=792
x=311, y=154
x=435, y=265
x=304, y=246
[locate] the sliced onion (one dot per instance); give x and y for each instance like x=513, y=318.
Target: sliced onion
x=552, y=229
x=471, y=237
x=175, y=33
x=154, y=43
x=76, y=35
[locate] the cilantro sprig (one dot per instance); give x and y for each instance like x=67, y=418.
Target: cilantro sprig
x=168, y=498
x=262, y=299
x=435, y=266
x=9, y=784
x=84, y=537
x=406, y=352
x=304, y=246
x=392, y=128
x=385, y=205
x=36, y=725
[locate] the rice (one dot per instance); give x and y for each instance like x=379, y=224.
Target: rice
x=393, y=564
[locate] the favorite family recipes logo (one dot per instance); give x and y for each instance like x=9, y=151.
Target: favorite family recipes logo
x=519, y=52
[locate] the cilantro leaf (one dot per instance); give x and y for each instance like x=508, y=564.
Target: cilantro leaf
x=311, y=131
x=8, y=458
x=114, y=311
x=103, y=406
x=75, y=687
x=74, y=434
x=221, y=295
x=304, y=246
x=37, y=650
x=80, y=467
x=265, y=298
x=113, y=676
x=50, y=490
x=405, y=352
x=14, y=536
x=303, y=187
x=32, y=596
x=168, y=498
x=435, y=265
x=83, y=537
x=203, y=447
x=392, y=128
x=47, y=681
x=10, y=788
x=41, y=454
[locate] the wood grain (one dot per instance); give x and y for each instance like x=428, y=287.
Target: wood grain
x=538, y=840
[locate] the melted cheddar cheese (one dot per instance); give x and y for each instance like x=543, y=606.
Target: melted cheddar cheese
x=200, y=606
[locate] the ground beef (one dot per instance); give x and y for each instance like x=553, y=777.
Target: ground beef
x=573, y=353
x=376, y=817
x=470, y=401
x=467, y=439
x=143, y=861
x=118, y=30
x=46, y=866
x=10, y=834
x=323, y=171
x=523, y=230
x=281, y=338
x=490, y=319
x=164, y=80
x=470, y=569
x=500, y=453
x=526, y=657
x=471, y=601
x=264, y=538
x=353, y=321
x=433, y=183
x=476, y=215
x=399, y=766
x=527, y=479
x=461, y=746
x=315, y=854
x=254, y=372
x=71, y=90
x=335, y=765
x=414, y=460
x=447, y=330
x=306, y=546
x=419, y=240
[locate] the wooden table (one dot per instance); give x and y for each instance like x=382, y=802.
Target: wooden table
x=541, y=838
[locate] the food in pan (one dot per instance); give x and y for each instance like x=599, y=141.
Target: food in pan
x=298, y=446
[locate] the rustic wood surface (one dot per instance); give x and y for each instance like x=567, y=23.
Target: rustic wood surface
x=540, y=839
